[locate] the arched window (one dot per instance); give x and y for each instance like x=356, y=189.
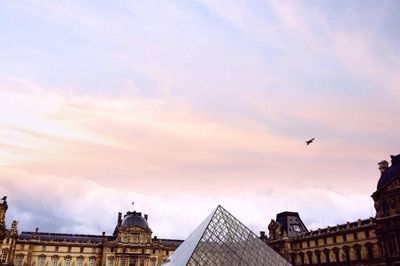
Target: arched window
x=327, y=255
x=301, y=258
x=309, y=257
x=293, y=258
x=346, y=253
x=20, y=258
x=80, y=260
x=318, y=256
x=368, y=247
x=67, y=261
x=41, y=260
x=357, y=251
x=91, y=261
x=54, y=260
x=110, y=261
x=336, y=251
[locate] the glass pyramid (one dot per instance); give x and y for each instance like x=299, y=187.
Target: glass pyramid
x=223, y=240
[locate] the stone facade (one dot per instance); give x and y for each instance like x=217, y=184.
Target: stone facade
x=373, y=241
x=131, y=244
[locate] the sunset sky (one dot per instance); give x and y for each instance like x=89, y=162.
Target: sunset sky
x=184, y=105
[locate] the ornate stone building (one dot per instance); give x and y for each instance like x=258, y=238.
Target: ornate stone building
x=373, y=241
x=131, y=244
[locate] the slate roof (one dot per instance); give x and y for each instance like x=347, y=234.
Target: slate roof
x=169, y=242
x=59, y=237
x=134, y=219
x=392, y=171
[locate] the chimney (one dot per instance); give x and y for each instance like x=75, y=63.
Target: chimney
x=146, y=217
x=383, y=166
x=119, y=218
x=262, y=234
x=36, y=230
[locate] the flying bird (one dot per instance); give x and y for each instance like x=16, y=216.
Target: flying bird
x=308, y=142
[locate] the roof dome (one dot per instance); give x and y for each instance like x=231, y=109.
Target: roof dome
x=392, y=171
x=134, y=219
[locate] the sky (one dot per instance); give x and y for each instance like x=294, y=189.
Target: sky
x=181, y=106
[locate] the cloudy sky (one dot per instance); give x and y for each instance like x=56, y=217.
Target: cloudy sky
x=184, y=105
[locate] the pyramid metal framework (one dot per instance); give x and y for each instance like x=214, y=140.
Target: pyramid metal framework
x=223, y=240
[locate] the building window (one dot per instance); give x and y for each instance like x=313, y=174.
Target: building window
x=293, y=258
x=110, y=261
x=325, y=241
x=309, y=257
x=358, y=253
x=355, y=236
x=154, y=251
x=69, y=249
x=302, y=258
x=4, y=256
x=347, y=255
x=344, y=237
x=316, y=242
x=327, y=256
x=91, y=261
x=43, y=248
x=308, y=243
x=122, y=263
x=153, y=262
x=19, y=260
x=296, y=228
x=41, y=260
x=337, y=255
x=318, y=255
x=369, y=252
x=54, y=261
x=7, y=241
x=82, y=249
x=80, y=259
x=67, y=261
x=334, y=239
x=367, y=234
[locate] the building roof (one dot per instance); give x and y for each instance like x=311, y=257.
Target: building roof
x=340, y=228
x=168, y=242
x=59, y=237
x=291, y=223
x=391, y=172
x=134, y=219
